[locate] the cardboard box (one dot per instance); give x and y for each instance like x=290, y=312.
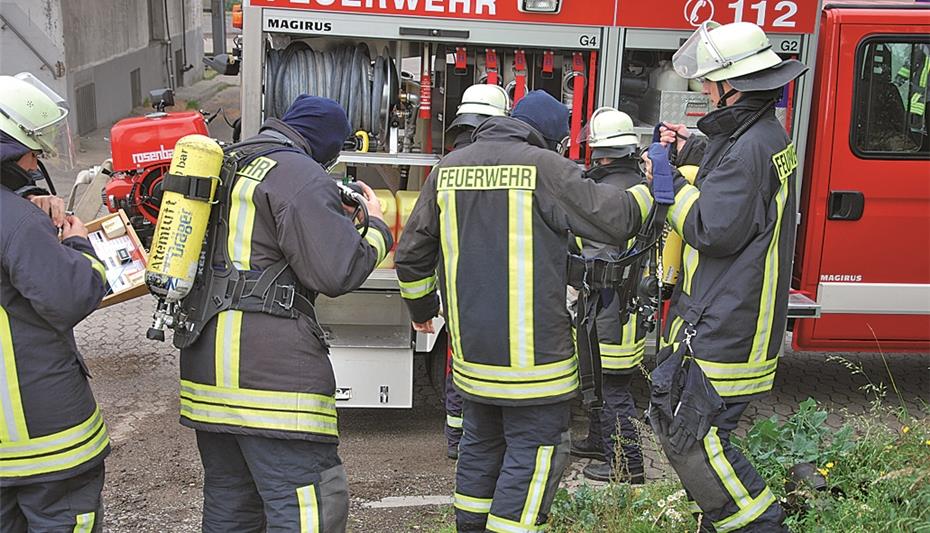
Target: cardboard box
x=126, y=280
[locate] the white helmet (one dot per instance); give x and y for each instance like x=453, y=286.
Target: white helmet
x=610, y=134
x=31, y=112
x=739, y=52
x=484, y=99
x=479, y=102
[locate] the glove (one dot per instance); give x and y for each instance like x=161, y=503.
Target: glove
x=663, y=189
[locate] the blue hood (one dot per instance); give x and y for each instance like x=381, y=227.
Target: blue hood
x=322, y=122
x=540, y=110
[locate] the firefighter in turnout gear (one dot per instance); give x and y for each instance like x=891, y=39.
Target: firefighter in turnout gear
x=52, y=437
x=613, y=144
x=728, y=313
x=478, y=103
x=491, y=228
x=257, y=386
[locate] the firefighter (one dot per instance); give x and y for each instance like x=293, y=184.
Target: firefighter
x=494, y=219
x=614, y=144
x=478, y=103
x=258, y=387
x=737, y=223
x=52, y=437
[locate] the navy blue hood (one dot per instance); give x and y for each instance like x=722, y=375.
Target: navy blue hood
x=540, y=110
x=322, y=122
x=11, y=149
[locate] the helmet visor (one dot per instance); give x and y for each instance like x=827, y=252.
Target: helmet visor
x=45, y=129
x=698, y=55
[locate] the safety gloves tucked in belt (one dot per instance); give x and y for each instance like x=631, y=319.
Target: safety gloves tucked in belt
x=663, y=189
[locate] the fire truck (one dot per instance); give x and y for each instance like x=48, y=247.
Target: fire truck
x=399, y=67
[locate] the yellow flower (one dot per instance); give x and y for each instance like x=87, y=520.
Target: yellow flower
x=823, y=472
x=927, y=442
x=830, y=465
x=905, y=429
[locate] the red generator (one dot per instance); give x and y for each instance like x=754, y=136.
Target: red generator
x=142, y=148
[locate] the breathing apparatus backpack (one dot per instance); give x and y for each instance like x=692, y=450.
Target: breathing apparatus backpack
x=190, y=288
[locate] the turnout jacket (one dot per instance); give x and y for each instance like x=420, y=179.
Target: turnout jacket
x=258, y=374
x=50, y=426
x=737, y=223
x=621, y=345
x=495, y=217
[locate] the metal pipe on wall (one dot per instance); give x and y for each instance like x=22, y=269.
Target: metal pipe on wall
x=218, y=17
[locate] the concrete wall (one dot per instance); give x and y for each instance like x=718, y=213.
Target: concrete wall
x=41, y=22
x=107, y=39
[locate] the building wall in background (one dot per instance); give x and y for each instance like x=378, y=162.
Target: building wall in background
x=106, y=54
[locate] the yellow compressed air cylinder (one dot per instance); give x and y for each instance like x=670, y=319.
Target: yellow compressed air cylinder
x=389, y=210
x=182, y=220
x=671, y=252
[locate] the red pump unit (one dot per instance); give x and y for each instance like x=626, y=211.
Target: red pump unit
x=142, y=148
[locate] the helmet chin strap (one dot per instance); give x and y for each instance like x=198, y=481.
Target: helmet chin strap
x=724, y=95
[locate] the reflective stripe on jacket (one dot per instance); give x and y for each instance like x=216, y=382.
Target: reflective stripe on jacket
x=737, y=224
x=50, y=427
x=494, y=219
x=257, y=374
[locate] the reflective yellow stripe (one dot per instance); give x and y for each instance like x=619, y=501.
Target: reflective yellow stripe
x=693, y=507
x=683, y=202
x=471, y=504
x=241, y=222
x=622, y=356
x=643, y=199
x=716, y=370
x=226, y=346
x=502, y=525
x=924, y=73
x=376, y=240
x=97, y=265
x=677, y=322
x=691, y=260
x=744, y=387
x=520, y=277
x=258, y=418
x=747, y=514
x=517, y=391
x=56, y=452
x=309, y=509
x=454, y=421
x=509, y=374
x=413, y=290
x=260, y=399
x=537, y=488
x=13, y=427
x=84, y=523
x=917, y=107
x=724, y=470
x=763, y=336
x=449, y=229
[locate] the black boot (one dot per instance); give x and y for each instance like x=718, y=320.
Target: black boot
x=604, y=472
x=588, y=448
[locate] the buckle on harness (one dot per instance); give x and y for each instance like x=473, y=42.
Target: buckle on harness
x=287, y=296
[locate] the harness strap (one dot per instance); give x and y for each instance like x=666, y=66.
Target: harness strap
x=519, y=71
x=490, y=65
x=578, y=68
x=461, y=61
x=548, y=64
x=191, y=187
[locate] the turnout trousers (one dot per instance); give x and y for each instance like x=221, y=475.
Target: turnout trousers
x=453, y=401
x=71, y=505
x=723, y=484
x=619, y=412
x=511, y=460
x=257, y=484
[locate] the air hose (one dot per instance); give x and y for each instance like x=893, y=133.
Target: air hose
x=366, y=88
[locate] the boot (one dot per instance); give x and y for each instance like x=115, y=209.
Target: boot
x=587, y=449
x=604, y=472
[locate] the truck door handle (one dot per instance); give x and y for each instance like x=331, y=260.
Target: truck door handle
x=846, y=205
